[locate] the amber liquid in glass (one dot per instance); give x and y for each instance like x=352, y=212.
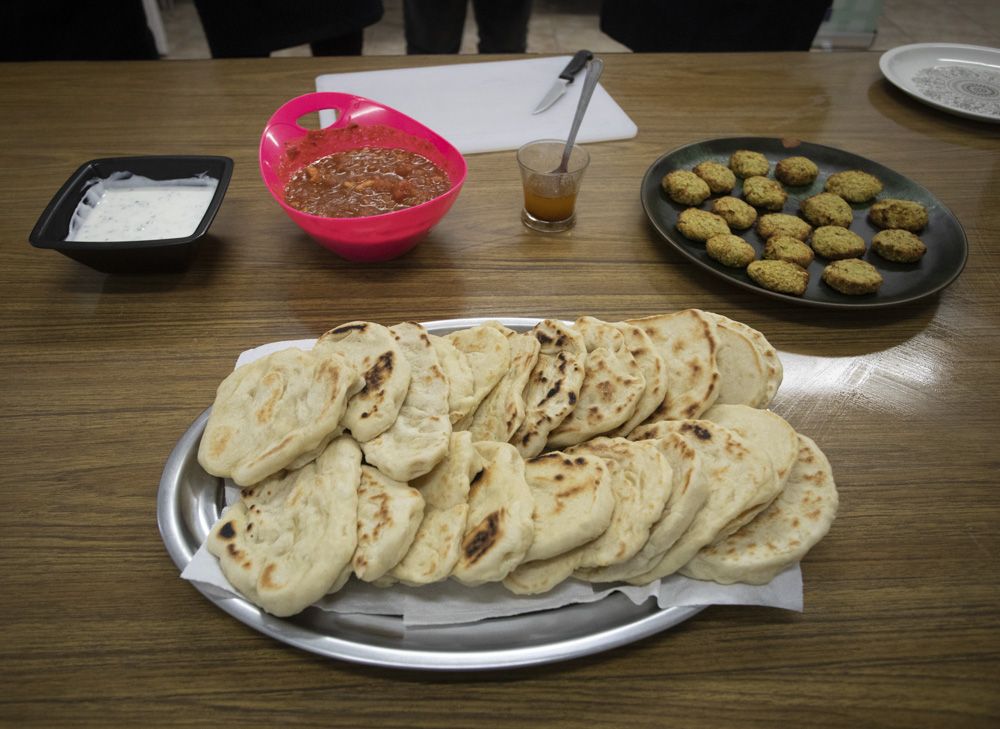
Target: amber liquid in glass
x=550, y=198
x=549, y=208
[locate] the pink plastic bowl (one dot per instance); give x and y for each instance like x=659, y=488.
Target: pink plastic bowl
x=372, y=238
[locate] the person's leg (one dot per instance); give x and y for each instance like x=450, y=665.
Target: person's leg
x=723, y=25
x=341, y=45
x=52, y=30
x=434, y=26
x=229, y=34
x=503, y=25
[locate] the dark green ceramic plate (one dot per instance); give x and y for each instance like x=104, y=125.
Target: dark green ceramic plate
x=947, y=246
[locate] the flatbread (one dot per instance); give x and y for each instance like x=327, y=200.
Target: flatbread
x=763, y=431
x=499, y=529
x=782, y=534
x=376, y=354
x=342, y=578
x=554, y=385
x=269, y=412
x=574, y=502
x=743, y=376
x=773, y=369
x=654, y=372
x=612, y=386
x=688, y=341
x=540, y=576
x=461, y=382
x=435, y=549
x=739, y=480
x=287, y=541
x=389, y=514
x=418, y=438
x=641, y=480
x=447, y=484
x=502, y=411
x=445, y=489
x=488, y=353
x=687, y=496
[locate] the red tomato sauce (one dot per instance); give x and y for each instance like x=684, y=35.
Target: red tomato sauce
x=365, y=181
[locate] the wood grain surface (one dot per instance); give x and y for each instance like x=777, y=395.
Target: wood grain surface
x=102, y=374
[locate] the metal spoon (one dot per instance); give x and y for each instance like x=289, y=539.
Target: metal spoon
x=594, y=70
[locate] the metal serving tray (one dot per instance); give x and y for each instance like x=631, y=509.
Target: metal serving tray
x=190, y=501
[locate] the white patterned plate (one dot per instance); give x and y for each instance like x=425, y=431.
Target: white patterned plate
x=961, y=79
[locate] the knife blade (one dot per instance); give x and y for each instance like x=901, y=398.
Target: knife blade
x=566, y=77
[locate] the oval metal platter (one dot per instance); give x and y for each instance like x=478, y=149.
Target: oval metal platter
x=190, y=501
x=947, y=246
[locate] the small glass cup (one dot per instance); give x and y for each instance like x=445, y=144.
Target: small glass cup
x=549, y=196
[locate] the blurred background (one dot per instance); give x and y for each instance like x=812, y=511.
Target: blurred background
x=176, y=29
x=559, y=26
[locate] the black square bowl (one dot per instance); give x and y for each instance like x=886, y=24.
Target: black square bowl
x=127, y=256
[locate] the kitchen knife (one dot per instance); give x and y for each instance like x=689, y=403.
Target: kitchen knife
x=574, y=67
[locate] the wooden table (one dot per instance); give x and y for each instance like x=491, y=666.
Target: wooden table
x=101, y=374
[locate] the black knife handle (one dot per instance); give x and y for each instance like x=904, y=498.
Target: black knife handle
x=575, y=65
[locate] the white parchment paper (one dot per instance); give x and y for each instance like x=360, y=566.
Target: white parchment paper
x=448, y=602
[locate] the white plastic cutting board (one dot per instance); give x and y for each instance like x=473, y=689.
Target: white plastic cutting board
x=486, y=107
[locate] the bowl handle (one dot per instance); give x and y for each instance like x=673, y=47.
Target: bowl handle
x=345, y=105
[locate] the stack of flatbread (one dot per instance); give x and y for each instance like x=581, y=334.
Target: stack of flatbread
x=601, y=451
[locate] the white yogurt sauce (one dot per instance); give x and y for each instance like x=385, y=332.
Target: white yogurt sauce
x=127, y=207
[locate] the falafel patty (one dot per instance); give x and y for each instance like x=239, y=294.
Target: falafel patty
x=764, y=193
x=685, y=187
x=853, y=185
x=827, y=209
x=901, y=214
x=747, y=163
x=796, y=171
x=774, y=224
x=835, y=243
x=737, y=213
x=780, y=276
x=720, y=179
x=700, y=225
x=852, y=276
x=786, y=248
x=730, y=250
x=899, y=246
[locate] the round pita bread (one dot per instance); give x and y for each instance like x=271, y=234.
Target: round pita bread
x=782, y=534
x=488, y=353
x=418, y=438
x=641, y=480
x=773, y=369
x=389, y=514
x=270, y=412
x=739, y=480
x=688, y=341
x=542, y=575
x=654, y=372
x=612, y=386
x=574, y=502
x=287, y=541
x=447, y=484
x=743, y=376
x=502, y=411
x=553, y=386
x=763, y=431
x=376, y=354
x=458, y=373
x=435, y=548
x=687, y=496
x=499, y=529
